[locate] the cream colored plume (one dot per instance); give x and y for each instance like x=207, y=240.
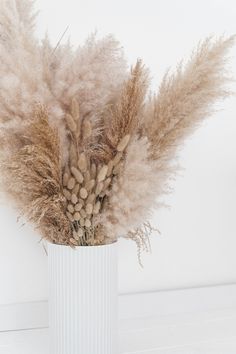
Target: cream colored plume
x=86, y=151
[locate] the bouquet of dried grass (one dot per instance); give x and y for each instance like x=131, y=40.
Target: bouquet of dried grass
x=85, y=154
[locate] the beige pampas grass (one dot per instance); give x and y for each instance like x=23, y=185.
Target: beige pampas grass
x=124, y=116
x=186, y=97
x=85, y=154
x=183, y=101
x=32, y=178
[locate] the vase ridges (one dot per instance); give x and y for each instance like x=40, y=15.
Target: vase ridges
x=83, y=299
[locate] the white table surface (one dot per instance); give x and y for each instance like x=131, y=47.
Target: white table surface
x=211, y=332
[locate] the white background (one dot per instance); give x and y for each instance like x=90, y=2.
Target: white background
x=198, y=242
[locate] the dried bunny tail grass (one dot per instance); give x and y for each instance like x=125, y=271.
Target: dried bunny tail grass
x=123, y=117
x=32, y=177
x=186, y=97
x=80, y=129
x=87, y=188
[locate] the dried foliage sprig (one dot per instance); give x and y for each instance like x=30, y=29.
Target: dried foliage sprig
x=85, y=154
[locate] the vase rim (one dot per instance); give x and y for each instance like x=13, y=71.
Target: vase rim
x=83, y=247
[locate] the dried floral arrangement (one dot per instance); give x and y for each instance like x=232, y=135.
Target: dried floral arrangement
x=86, y=151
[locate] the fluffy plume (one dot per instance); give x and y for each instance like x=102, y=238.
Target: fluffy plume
x=123, y=116
x=132, y=191
x=183, y=101
x=93, y=74
x=186, y=97
x=93, y=163
x=51, y=76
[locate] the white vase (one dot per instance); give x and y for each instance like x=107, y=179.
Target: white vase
x=83, y=299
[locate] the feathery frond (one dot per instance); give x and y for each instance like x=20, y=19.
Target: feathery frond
x=93, y=164
x=124, y=116
x=186, y=97
x=32, y=177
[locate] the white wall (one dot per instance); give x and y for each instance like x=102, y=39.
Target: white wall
x=198, y=241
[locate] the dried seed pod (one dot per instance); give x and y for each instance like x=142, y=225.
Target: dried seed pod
x=82, y=162
x=99, y=166
x=77, y=216
x=106, y=183
x=89, y=209
x=123, y=143
x=76, y=188
x=71, y=183
x=73, y=241
x=109, y=168
x=74, y=198
x=67, y=169
x=71, y=123
x=83, y=213
x=67, y=194
x=93, y=170
x=96, y=207
x=75, y=236
x=86, y=129
x=70, y=217
x=81, y=201
x=66, y=177
x=83, y=193
x=117, y=158
x=81, y=222
x=91, y=198
x=75, y=109
x=99, y=188
x=87, y=223
x=117, y=168
x=78, y=206
x=88, y=163
x=77, y=174
x=102, y=173
x=73, y=155
x=90, y=184
x=87, y=176
x=80, y=232
x=70, y=208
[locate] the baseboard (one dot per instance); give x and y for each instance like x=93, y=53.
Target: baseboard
x=144, y=305
x=174, y=302
x=22, y=316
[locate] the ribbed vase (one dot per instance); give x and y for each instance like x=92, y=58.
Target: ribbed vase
x=83, y=299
